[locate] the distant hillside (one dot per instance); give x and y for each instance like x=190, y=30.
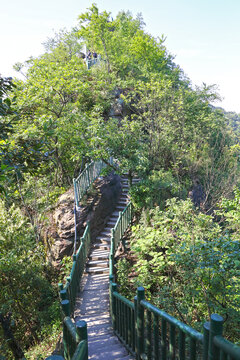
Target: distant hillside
x=233, y=119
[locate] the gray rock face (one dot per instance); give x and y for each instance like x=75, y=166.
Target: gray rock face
x=60, y=234
x=118, y=109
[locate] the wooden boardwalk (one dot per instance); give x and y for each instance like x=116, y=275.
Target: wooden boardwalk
x=92, y=304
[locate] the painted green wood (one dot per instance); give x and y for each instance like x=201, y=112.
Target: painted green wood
x=206, y=329
x=227, y=347
x=172, y=347
x=182, y=347
x=63, y=294
x=140, y=322
x=193, y=349
x=216, y=328
x=223, y=355
x=66, y=307
x=129, y=335
x=134, y=322
x=149, y=335
x=171, y=320
x=86, y=178
x=156, y=336
x=81, y=352
x=164, y=339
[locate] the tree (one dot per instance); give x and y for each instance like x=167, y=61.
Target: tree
x=188, y=264
x=25, y=292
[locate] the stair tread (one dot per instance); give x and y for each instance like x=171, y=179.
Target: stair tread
x=93, y=303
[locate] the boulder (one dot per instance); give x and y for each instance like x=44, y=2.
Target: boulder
x=100, y=204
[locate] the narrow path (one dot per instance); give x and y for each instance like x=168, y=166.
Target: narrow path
x=92, y=305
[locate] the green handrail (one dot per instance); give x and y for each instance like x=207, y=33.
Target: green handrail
x=70, y=290
x=150, y=333
x=75, y=340
x=86, y=178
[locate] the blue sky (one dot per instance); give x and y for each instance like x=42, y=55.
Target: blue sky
x=203, y=35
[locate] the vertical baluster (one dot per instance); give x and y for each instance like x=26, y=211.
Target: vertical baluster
x=164, y=339
x=129, y=316
x=223, y=355
x=123, y=320
x=69, y=287
x=206, y=328
x=193, y=349
x=149, y=335
x=114, y=306
x=126, y=322
x=172, y=342
x=120, y=225
x=118, y=316
x=121, y=317
x=181, y=345
x=134, y=311
x=156, y=336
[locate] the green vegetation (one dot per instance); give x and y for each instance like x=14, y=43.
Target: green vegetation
x=60, y=116
x=189, y=263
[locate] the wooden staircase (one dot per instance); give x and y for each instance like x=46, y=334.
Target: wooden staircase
x=92, y=304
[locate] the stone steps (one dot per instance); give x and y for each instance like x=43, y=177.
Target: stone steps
x=93, y=302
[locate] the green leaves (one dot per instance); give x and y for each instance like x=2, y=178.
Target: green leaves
x=181, y=251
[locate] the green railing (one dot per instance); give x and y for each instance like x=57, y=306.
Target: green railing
x=151, y=333
x=74, y=338
x=70, y=290
x=123, y=222
x=86, y=178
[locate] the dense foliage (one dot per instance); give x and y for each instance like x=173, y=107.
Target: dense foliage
x=167, y=133
x=189, y=262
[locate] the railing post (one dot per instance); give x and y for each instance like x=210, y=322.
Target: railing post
x=111, y=280
x=216, y=328
x=140, y=322
x=206, y=328
x=63, y=294
x=69, y=286
x=113, y=243
x=114, y=320
x=65, y=307
x=81, y=329
x=60, y=286
x=135, y=325
x=120, y=218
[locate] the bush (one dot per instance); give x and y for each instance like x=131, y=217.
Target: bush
x=155, y=190
x=188, y=264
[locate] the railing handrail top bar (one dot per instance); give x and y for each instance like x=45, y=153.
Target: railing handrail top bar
x=83, y=171
x=227, y=346
x=79, y=249
x=185, y=328
x=85, y=231
x=67, y=321
x=123, y=299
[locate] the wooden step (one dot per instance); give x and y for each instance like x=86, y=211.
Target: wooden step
x=97, y=270
x=99, y=255
x=97, y=263
x=102, y=246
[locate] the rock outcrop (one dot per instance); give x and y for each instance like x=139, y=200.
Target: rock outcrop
x=100, y=203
